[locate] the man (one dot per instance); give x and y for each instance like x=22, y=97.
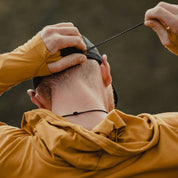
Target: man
x=71, y=135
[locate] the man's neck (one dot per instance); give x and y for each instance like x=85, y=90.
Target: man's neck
x=79, y=98
x=87, y=120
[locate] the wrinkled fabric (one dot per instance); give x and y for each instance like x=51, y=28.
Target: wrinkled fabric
x=173, y=47
x=25, y=62
x=120, y=146
x=47, y=145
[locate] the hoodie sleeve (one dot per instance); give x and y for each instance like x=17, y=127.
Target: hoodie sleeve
x=25, y=62
x=173, y=47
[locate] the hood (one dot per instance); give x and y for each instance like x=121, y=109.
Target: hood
x=116, y=139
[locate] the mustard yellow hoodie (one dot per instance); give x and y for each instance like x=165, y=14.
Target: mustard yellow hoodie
x=47, y=145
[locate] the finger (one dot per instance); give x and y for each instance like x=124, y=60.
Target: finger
x=66, y=62
x=65, y=24
x=60, y=42
x=71, y=31
x=71, y=41
x=161, y=14
x=160, y=30
x=170, y=7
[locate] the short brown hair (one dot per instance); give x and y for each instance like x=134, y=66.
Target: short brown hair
x=85, y=71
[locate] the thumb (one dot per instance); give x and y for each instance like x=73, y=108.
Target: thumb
x=160, y=30
x=66, y=62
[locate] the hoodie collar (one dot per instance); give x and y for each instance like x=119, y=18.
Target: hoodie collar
x=111, y=142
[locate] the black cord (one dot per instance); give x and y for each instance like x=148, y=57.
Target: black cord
x=102, y=42
x=115, y=36
x=77, y=113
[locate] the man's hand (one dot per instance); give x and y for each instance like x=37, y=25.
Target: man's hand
x=59, y=36
x=163, y=19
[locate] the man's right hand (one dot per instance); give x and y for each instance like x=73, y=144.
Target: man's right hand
x=59, y=36
x=163, y=19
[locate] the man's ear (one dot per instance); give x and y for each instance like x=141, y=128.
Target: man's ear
x=105, y=70
x=37, y=99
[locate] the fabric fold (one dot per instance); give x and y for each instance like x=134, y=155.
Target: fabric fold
x=113, y=141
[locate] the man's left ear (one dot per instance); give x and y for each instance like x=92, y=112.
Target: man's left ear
x=37, y=99
x=105, y=70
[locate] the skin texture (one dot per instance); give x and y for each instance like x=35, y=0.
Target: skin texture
x=59, y=36
x=80, y=96
x=163, y=19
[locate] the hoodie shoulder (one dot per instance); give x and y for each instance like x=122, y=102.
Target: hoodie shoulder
x=169, y=119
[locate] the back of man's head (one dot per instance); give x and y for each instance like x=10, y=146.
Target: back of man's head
x=85, y=72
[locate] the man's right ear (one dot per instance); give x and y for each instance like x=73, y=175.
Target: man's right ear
x=35, y=98
x=105, y=70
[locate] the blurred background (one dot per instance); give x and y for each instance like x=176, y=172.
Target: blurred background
x=144, y=72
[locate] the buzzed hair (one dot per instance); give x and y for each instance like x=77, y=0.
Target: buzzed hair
x=86, y=72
